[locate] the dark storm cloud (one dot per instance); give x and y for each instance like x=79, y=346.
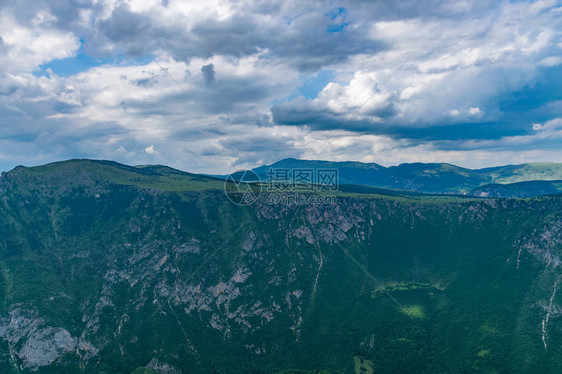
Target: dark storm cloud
x=304, y=43
x=133, y=32
x=321, y=120
x=301, y=112
x=208, y=72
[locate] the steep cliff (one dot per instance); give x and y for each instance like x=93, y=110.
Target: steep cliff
x=115, y=269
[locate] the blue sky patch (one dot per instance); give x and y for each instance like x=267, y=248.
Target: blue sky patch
x=81, y=62
x=312, y=84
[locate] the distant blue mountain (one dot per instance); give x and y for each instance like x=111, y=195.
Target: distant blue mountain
x=441, y=178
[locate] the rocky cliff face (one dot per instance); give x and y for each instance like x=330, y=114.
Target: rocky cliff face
x=104, y=273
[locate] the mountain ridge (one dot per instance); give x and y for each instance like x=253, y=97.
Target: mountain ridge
x=442, y=178
x=106, y=269
x=426, y=178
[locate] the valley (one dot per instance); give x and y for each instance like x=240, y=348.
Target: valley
x=114, y=269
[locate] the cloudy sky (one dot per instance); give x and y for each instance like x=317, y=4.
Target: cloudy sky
x=214, y=86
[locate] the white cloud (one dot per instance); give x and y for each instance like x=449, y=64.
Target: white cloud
x=551, y=61
x=553, y=125
x=29, y=47
x=463, y=59
x=474, y=111
x=469, y=63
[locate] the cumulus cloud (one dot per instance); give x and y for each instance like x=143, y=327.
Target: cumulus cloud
x=295, y=31
x=23, y=49
x=458, y=70
x=474, y=111
x=469, y=82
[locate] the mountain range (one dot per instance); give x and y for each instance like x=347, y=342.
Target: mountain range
x=440, y=178
x=108, y=268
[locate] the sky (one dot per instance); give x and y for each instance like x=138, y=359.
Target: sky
x=216, y=86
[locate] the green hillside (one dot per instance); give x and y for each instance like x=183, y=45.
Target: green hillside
x=528, y=172
x=426, y=178
x=518, y=189
x=83, y=172
x=114, y=269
